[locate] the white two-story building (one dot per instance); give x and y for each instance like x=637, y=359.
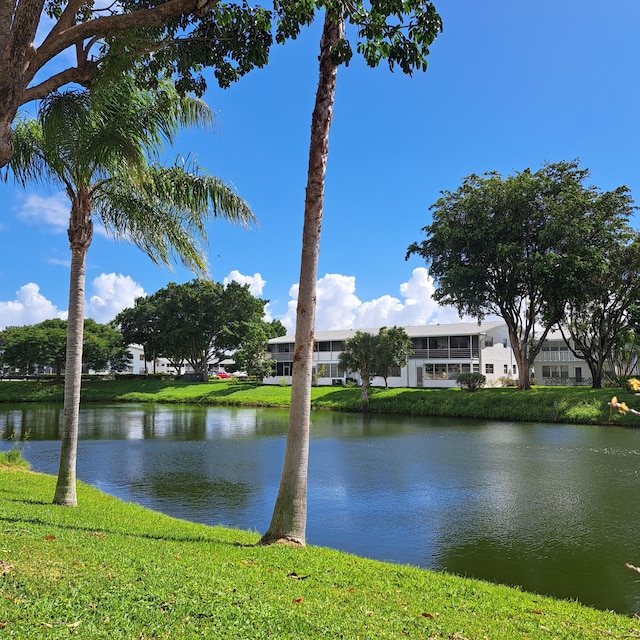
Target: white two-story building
x=441, y=352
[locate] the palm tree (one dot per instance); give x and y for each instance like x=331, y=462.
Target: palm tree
x=96, y=145
x=360, y=354
x=400, y=32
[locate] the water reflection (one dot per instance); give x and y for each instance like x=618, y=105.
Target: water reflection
x=550, y=508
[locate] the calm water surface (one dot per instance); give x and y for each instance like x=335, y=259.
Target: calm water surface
x=552, y=508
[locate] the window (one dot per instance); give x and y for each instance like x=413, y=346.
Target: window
x=324, y=346
x=141, y=357
x=514, y=368
x=488, y=368
x=284, y=348
x=337, y=345
x=454, y=371
x=459, y=342
x=555, y=371
x=476, y=368
x=504, y=343
x=488, y=341
x=438, y=343
x=333, y=371
x=466, y=368
x=429, y=372
x=283, y=368
x=440, y=371
x=394, y=372
x=506, y=368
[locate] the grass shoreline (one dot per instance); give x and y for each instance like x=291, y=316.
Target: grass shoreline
x=111, y=569
x=574, y=405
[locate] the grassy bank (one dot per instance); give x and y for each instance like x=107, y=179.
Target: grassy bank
x=110, y=569
x=578, y=405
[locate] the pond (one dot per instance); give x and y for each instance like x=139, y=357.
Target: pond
x=552, y=508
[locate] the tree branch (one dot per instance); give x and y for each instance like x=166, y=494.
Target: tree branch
x=57, y=42
x=74, y=74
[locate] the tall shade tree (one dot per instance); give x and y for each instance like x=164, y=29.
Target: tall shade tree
x=198, y=322
x=523, y=247
x=399, y=32
x=95, y=145
x=594, y=326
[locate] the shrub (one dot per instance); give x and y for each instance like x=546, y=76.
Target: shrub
x=13, y=457
x=471, y=381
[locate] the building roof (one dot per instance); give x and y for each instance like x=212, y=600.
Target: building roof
x=417, y=331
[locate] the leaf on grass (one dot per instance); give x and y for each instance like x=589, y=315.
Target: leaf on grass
x=73, y=625
x=49, y=537
x=97, y=534
x=5, y=567
x=2, y=625
x=295, y=576
x=424, y=614
x=298, y=600
x=537, y=612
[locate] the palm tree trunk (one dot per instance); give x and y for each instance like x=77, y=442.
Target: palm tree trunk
x=80, y=236
x=289, y=519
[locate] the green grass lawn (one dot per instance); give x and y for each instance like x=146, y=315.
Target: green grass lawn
x=109, y=569
x=578, y=405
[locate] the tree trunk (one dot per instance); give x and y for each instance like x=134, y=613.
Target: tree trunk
x=596, y=374
x=289, y=519
x=364, y=395
x=80, y=236
x=523, y=362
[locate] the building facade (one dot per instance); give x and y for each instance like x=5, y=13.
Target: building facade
x=441, y=352
x=556, y=365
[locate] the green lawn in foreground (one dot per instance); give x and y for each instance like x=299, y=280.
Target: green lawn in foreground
x=578, y=405
x=109, y=569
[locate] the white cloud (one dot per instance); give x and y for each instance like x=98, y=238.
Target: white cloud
x=338, y=307
x=256, y=282
x=52, y=211
x=113, y=293
x=60, y=263
x=29, y=307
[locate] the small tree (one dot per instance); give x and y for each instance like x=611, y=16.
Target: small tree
x=394, y=349
x=360, y=354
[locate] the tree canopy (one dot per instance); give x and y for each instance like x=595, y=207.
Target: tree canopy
x=44, y=345
x=200, y=322
x=523, y=247
x=594, y=326
x=175, y=37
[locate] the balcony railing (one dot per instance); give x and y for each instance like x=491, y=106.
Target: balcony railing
x=555, y=356
x=447, y=354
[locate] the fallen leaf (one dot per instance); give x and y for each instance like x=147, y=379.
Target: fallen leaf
x=427, y=615
x=3, y=625
x=537, y=612
x=49, y=537
x=5, y=567
x=298, y=600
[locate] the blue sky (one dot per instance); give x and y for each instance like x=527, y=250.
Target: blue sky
x=510, y=85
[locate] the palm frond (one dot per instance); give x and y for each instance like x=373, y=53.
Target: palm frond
x=164, y=212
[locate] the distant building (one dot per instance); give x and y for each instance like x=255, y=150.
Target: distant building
x=139, y=366
x=441, y=352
